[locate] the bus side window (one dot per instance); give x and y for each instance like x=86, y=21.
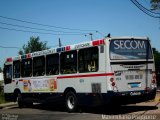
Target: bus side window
x=52, y=64
x=7, y=74
x=88, y=60
x=39, y=66
x=16, y=69
x=68, y=62
x=26, y=67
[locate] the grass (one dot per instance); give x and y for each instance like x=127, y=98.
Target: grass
x=2, y=100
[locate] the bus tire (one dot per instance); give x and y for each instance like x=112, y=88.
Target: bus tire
x=28, y=103
x=71, y=102
x=20, y=100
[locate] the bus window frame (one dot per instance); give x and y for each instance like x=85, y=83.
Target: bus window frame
x=91, y=64
x=16, y=74
x=52, y=71
x=39, y=71
x=22, y=67
x=62, y=61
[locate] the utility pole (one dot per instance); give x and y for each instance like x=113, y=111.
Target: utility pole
x=91, y=36
x=60, y=44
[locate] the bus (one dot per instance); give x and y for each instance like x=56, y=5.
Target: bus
x=112, y=70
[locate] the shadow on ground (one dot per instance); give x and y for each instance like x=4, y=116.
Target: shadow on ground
x=114, y=110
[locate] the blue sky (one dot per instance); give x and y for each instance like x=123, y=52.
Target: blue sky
x=120, y=18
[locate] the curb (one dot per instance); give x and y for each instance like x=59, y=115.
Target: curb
x=158, y=91
x=157, y=99
x=7, y=104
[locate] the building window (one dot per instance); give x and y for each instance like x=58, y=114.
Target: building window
x=68, y=62
x=52, y=64
x=88, y=60
x=39, y=66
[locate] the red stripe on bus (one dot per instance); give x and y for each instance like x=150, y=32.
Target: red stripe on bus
x=87, y=75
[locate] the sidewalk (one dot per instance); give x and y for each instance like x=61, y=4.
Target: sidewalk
x=157, y=98
x=9, y=104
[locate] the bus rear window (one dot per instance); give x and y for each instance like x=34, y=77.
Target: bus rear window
x=127, y=49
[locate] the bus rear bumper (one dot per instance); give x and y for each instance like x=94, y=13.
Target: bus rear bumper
x=116, y=98
x=130, y=97
x=98, y=99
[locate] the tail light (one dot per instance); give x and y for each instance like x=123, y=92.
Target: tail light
x=153, y=81
x=147, y=89
x=112, y=82
x=154, y=78
x=112, y=79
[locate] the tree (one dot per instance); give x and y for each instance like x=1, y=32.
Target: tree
x=34, y=44
x=155, y=4
x=156, y=55
x=157, y=64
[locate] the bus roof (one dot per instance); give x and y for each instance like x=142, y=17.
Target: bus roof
x=58, y=50
x=69, y=48
x=130, y=37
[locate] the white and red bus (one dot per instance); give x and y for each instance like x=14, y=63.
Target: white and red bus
x=110, y=70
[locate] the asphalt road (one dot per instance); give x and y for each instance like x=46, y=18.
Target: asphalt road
x=141, y=111
x=146, y=111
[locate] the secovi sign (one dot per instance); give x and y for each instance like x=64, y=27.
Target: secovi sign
x=129, y=44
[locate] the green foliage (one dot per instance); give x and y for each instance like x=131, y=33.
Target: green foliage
x=34, y=44
x=156, y=55
x=155, y=4
x=157, y=64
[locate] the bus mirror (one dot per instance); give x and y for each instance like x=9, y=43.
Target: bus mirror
x=7, y=75
x=4, y=73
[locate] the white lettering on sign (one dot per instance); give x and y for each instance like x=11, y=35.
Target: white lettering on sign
x=129, y=44
x=50, y=51
x=82, y=45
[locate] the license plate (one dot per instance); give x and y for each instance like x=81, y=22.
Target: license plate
x=133, y=77
x=134, y=85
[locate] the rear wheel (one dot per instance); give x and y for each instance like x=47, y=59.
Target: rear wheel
x=71, y=102
x=28, y=102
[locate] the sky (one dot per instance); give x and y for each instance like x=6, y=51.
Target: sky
x=76, y=18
